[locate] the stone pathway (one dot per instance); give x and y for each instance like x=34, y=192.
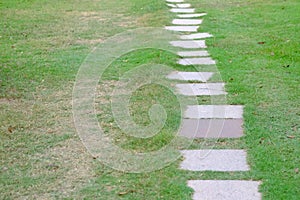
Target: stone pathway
x=192, y=53
x=189, y=44
x=214, y=160
x=186, y=21
x=207, y=121
x=193, y=76
x=196, y=61
x=201, y=89
x=225, y=189
x=183, y=10
x=214, y=111
x=211, y=128
x=183, y=28
x=191, y=15
x=195, y=36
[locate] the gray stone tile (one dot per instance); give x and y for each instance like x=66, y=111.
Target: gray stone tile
x=214, y=112
x=182, y=28
x=183, y=5
x=195, y=36
x=214, y=160
x=191, y=15
x=192, y=53
x=175, y=1
x=171, y=5
x=182, y=10
x=191, y=76
x=201, y=89
x=187, y=21
x=189, y=44
x=196, y=61
x=225, y=190
x=211, y=128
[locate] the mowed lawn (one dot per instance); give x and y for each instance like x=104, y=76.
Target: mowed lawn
x=42, y=45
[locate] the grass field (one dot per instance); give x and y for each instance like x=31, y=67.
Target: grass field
x=42, y=45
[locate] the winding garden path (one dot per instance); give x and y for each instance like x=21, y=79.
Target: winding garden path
x=207, y=121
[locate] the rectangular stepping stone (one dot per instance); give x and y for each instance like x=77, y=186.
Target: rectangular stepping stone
x=225, y=190
x=191, y=15
x=201, y=89
x=192, y=53
x=171, y=5
x=191, y=76
x=183, y=10
x=183, y=5
x=189, y=44
x=214, y=112
x=196, y=61
x=211, y=128
x=175, y=1
x=187, y=21
x=182, y=28
x=214, y=160
x=195, y=36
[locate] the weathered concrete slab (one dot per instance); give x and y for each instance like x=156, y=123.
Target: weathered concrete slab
x=175, y=1
x=214, y=112
x=183, y=10
x=189, y=44
x=201, y=89
x=197, y=61
x=191, y=76
x=171, y=5
x=187, y=21
x=183, y=5
x=214, y=160
x=192, y=53
x=191, y=15
x=182, y=28
x=225, y=190
x=196, y=36
x=211, y=128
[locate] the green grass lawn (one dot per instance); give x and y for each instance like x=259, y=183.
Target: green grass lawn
x=42, y=45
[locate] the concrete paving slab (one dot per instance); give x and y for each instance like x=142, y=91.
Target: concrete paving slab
x=192, y=53
x=211, y=128
x=191, y=76
x=225, y=190
x=214, y=112
x=196, y=61
x=201, y=89
x=187, y=21
x=182, y=28
x=171, y=5
x=183, y=10
x=196, y=36
x=183, y=5
x=214, y=160
x=175, y=1
x=191, y=15
x=189, y=44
